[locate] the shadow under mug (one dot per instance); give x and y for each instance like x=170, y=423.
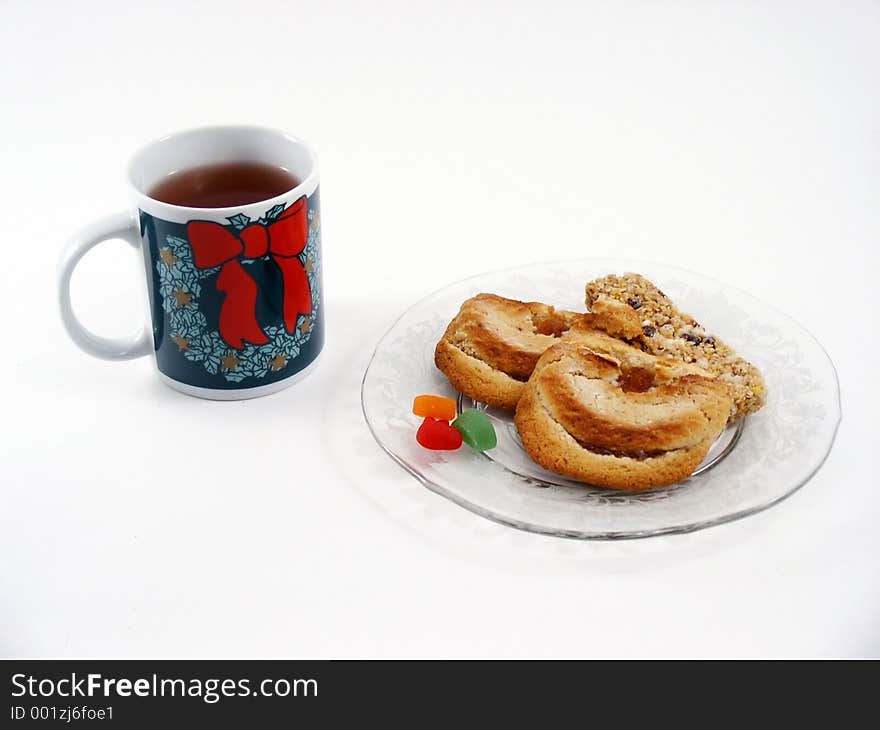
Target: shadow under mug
x=235, y=295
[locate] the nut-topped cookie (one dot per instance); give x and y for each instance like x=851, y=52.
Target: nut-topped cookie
x=668, y=332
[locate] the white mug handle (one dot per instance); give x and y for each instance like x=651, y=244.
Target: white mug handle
x=122, y=226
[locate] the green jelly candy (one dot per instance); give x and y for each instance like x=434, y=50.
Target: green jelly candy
x=476, y=430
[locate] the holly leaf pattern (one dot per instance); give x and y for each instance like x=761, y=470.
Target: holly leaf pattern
x=239, y=221
x=274, y=212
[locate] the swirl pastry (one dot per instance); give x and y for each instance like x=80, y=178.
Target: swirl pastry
x=602, y=411
x=492, y=345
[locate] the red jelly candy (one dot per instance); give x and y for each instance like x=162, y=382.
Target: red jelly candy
x=438, y=435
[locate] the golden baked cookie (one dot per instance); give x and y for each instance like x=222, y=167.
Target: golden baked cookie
x=667, y=332
x=604, y=412
x=491, y=346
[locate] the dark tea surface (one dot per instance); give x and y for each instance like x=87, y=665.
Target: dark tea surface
x=223, y=185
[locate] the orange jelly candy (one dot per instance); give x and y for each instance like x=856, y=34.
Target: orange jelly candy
x=434, y=406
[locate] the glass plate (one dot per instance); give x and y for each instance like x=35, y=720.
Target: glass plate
x=752, y=466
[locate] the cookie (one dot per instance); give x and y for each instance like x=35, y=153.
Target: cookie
x=601, y=411
x=492, y=345
x=667, y=332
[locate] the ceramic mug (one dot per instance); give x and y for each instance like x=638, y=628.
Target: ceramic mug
x=235, y=293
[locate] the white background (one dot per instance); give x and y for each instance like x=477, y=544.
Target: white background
x=736, y=139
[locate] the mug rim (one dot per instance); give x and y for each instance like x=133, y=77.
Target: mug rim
x=305, y=186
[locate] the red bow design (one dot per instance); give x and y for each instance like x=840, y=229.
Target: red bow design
x=283, y=239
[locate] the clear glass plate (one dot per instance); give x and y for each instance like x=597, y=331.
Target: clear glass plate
x=752, y=466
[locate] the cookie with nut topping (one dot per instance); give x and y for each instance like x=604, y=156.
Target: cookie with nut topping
x=668, y=332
